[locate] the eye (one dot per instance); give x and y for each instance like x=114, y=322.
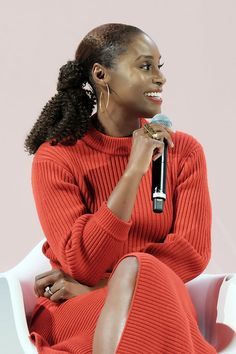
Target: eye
x=145, y=66
x=148, y=66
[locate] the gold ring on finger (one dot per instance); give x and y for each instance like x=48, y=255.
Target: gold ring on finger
x=149, y=129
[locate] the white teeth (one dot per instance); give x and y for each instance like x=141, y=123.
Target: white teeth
x=156, y=94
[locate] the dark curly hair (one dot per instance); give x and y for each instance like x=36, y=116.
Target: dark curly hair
x=66, y=117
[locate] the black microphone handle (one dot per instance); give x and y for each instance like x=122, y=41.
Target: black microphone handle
x=159, y=181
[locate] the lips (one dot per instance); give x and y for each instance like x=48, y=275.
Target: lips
x=155, y=99
x=154, y=96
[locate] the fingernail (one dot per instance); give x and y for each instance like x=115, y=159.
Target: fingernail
x=172, y=145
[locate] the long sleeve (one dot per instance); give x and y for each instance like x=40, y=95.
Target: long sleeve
x=84, y=244
x=187, y=249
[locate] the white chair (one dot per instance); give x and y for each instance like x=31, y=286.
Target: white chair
x=18, y=300
x=213, y=295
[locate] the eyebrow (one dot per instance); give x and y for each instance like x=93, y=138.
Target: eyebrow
x=147, y=57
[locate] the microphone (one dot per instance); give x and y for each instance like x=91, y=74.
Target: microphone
x=159, y=169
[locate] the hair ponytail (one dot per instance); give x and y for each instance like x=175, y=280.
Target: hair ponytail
x=65, y=117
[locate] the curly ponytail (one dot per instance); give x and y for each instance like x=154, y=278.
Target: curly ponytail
x=66, y=116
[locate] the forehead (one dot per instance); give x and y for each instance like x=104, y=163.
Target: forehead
x=141, y=45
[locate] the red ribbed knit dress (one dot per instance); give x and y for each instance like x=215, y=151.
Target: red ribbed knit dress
x=71, y=185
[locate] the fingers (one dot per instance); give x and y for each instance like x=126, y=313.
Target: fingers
x=55, y=272
x=157, y=126
x=59, y=295
x=63, y=290
x=41, y=284
x=158, y=151
x=46, y=279
x=54, y=289
x=40, y=288
x=156, y=156
x=161, y=132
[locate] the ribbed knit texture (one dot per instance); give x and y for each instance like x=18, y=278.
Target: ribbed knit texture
x=71, y=185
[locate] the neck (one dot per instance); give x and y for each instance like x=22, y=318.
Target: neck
x=116, y=128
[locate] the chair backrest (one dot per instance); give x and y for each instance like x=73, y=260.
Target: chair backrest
x=34, y=263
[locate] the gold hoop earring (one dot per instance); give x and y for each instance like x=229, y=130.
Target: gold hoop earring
x=100, y=100
x=108, y=98
x=108, y=95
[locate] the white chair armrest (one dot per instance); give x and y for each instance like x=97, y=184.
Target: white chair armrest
x=18, y=301
x=33, y=264
x=226, y=307
x=214, y=298
x=204, y=292
x=13, y=329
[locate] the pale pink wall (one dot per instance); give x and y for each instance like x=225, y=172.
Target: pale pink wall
x=197, y=43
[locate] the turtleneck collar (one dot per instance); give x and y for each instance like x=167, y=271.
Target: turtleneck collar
x=109, y=144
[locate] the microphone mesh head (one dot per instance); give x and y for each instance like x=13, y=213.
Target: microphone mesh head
x=162, y=119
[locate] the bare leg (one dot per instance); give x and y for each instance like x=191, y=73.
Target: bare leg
x=113, y=316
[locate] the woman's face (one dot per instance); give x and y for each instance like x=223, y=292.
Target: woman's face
x=137, y=72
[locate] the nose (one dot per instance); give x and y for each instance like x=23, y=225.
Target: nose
x=158, y=77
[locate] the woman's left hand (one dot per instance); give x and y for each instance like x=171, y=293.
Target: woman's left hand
x=61, y=286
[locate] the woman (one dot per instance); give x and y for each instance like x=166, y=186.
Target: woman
x=117, y=284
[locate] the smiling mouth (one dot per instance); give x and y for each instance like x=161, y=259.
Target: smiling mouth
x=155, y=97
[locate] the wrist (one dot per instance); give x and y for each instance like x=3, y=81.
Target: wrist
x=101, y=284
x=133, y=172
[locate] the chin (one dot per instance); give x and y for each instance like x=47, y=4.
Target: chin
x=149, y=114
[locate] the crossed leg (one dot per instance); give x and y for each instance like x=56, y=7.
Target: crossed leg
x=114, y=314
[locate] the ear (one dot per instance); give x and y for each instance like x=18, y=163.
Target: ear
x=100, y=74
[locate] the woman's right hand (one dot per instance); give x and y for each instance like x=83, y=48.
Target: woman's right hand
x=145, y=148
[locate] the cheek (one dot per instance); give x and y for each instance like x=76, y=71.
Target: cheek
x=130, y=87
x=130, y=79
x=136, y=81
